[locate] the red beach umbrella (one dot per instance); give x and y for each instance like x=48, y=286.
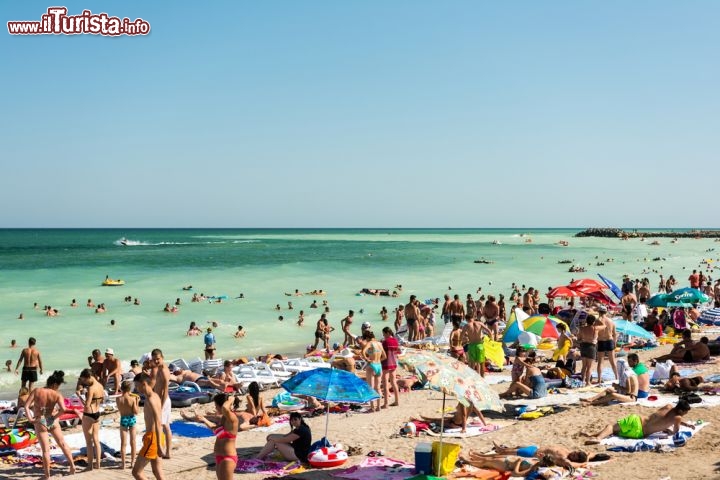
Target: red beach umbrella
x=587, y=285
x=564, y=291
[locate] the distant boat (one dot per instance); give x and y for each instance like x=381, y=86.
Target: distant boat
x=496, y=242
x=109, y=282
x=124, y=241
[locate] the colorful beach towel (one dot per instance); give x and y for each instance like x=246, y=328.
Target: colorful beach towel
x=280, y=422
x=265, y=467
x=650, y=443
x=372, y=468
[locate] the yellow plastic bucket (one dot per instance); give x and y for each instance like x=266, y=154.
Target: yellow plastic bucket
x=448, y=456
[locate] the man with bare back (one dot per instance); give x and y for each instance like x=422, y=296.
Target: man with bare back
x=30, y=358
x=472, y=335
x=412, y=316
x=152, y=447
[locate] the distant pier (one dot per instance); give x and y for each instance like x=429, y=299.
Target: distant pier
x=620, y=233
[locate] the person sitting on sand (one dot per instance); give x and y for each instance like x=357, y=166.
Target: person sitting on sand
x=294, y=446
x=642, y=373
x=624, y=392
x=537, y=388
x=458, y=419
x=553, y=454
x=636, y=426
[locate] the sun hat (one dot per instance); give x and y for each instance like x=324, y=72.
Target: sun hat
x=346, y=353
x=366, y=326
x=145, y=357
x=109, y=351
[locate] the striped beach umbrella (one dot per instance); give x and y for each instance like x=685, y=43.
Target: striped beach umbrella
x=542, y=326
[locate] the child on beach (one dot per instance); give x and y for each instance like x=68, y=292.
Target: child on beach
x=128, y=406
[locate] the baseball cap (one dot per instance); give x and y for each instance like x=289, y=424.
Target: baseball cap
x=109, y=351
x=366, y=326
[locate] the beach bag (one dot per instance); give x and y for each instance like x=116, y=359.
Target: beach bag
x=264, y=420
x=448, y=456
x=662, y=370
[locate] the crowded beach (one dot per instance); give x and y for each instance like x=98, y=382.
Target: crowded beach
x=591, y=378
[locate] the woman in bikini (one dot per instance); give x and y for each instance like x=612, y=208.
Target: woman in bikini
x=225, y=429
x=43, y=406
x=373, y=353
x=456, y=346
x=94, y=395
x=255, y=408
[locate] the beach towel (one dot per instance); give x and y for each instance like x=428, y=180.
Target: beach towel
x=495, y=379
x=650, y=443
x=279, y=423
x=470, y=431
x=265, y=467
x=182, y=428
x=662, y=399
x=372, y=468
x=110, y=437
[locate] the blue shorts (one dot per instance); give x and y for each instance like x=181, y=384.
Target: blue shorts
x=643, y=394
x=527, y=452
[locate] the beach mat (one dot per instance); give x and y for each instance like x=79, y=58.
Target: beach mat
x=265, y=467
x=372, y=468
x=471, y=431
x=190, y=429
x=649, y=443
x=708, y=401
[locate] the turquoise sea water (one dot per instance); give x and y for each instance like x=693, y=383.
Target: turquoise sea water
x=51, y=267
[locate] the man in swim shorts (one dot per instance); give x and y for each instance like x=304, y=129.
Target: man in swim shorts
x=642, y=373
x=152, y=448
x=607, y=339
x=635, y=426
x=473, y=335
x=30, y=358
x=412, y=314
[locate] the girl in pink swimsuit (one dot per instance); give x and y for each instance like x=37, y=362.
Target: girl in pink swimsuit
x=225, y=434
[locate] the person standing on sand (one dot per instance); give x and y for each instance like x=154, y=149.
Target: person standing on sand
x=412, y=316
x=588, y=337
x=128, y=406
x=152, y=448
x=635, y=426
x=43, y=406
x=348, y=340
x=161, y=385
x=112, y=368
x=607, y=339
x=30, y=358
x=472, y=335
x=389, y=365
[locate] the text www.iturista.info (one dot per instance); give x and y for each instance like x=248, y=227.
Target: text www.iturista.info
x=57, y=22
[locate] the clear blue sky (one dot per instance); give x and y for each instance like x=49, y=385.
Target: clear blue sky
x=365, y=114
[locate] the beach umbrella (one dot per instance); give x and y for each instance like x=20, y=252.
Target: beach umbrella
x=631, y=329
x=542, y=326
x=450, y=376
x=514, y=325
x=587, y=285
x=331, y=385
x=687, y=295
x=601, y=297
x=659, y=300
x=710, y=317
x=564, y=291
x=612, y=286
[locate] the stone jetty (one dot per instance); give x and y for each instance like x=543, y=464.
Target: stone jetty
x=620, y=233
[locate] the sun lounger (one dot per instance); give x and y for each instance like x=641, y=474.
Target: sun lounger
x=295, y=365
x=212, y=366
x=438, y=340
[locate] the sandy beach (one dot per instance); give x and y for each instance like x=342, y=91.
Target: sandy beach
x=378, y=431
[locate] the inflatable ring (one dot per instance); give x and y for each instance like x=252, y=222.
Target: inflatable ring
x=327, y=457
x=292, y=404
x=16, y=438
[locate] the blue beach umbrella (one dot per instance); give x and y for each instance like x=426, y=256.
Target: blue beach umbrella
x=331, y=385
x=632, y=329
x=612, y=286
